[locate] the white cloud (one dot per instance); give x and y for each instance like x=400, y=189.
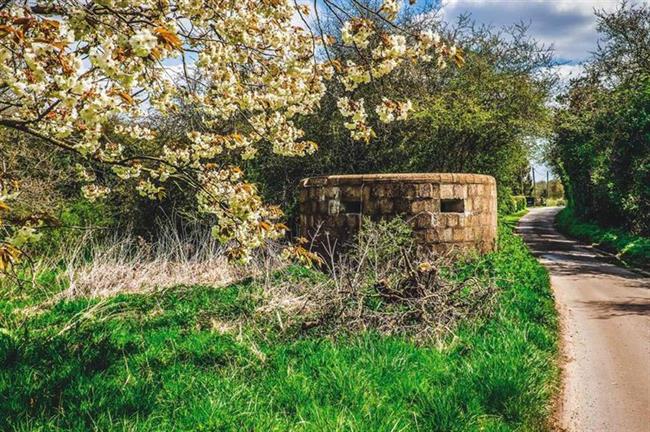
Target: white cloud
x=565, y=72
x=568, y=71
x=568, y=25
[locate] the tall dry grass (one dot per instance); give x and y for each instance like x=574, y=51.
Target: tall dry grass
x=125, y=263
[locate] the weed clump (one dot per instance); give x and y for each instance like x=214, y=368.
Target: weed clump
x=385, y=282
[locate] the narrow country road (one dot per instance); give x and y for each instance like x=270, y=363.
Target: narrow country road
x=605, y=314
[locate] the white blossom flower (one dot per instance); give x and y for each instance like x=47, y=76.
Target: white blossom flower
x=390, y=8
x=93, y=192
x=143, y=42
x=357, y=32
x=251, y=61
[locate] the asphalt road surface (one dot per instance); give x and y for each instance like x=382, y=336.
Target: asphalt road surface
x=605, y=316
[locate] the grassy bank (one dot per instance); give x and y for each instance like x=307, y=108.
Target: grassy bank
x=189, y=359
x=632, y=249
x=511, y=220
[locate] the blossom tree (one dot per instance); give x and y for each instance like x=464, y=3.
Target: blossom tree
x=71, y=70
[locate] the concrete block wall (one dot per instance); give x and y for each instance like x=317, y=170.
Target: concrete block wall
x=447, y=211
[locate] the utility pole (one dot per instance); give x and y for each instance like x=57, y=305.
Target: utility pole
x=548, y=192
x=533, y=169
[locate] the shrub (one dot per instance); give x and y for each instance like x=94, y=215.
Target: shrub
x=75, y=220
x=518, y=203
x=555, y=202
x=509, y=203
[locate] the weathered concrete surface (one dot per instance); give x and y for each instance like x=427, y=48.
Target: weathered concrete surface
x=447, y=211
x=605, y=315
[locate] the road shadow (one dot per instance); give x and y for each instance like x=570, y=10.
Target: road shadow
x=564, y=256
x=633, y=306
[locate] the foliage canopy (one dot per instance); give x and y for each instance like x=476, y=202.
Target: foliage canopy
x=601, y=145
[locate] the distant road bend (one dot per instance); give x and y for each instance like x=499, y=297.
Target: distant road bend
x=605, y=314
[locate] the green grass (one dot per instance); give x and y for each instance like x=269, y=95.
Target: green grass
x=511, y=220
x=165, y=362
x=632, y=249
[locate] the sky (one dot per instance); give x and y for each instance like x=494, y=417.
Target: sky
x=568, y=25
